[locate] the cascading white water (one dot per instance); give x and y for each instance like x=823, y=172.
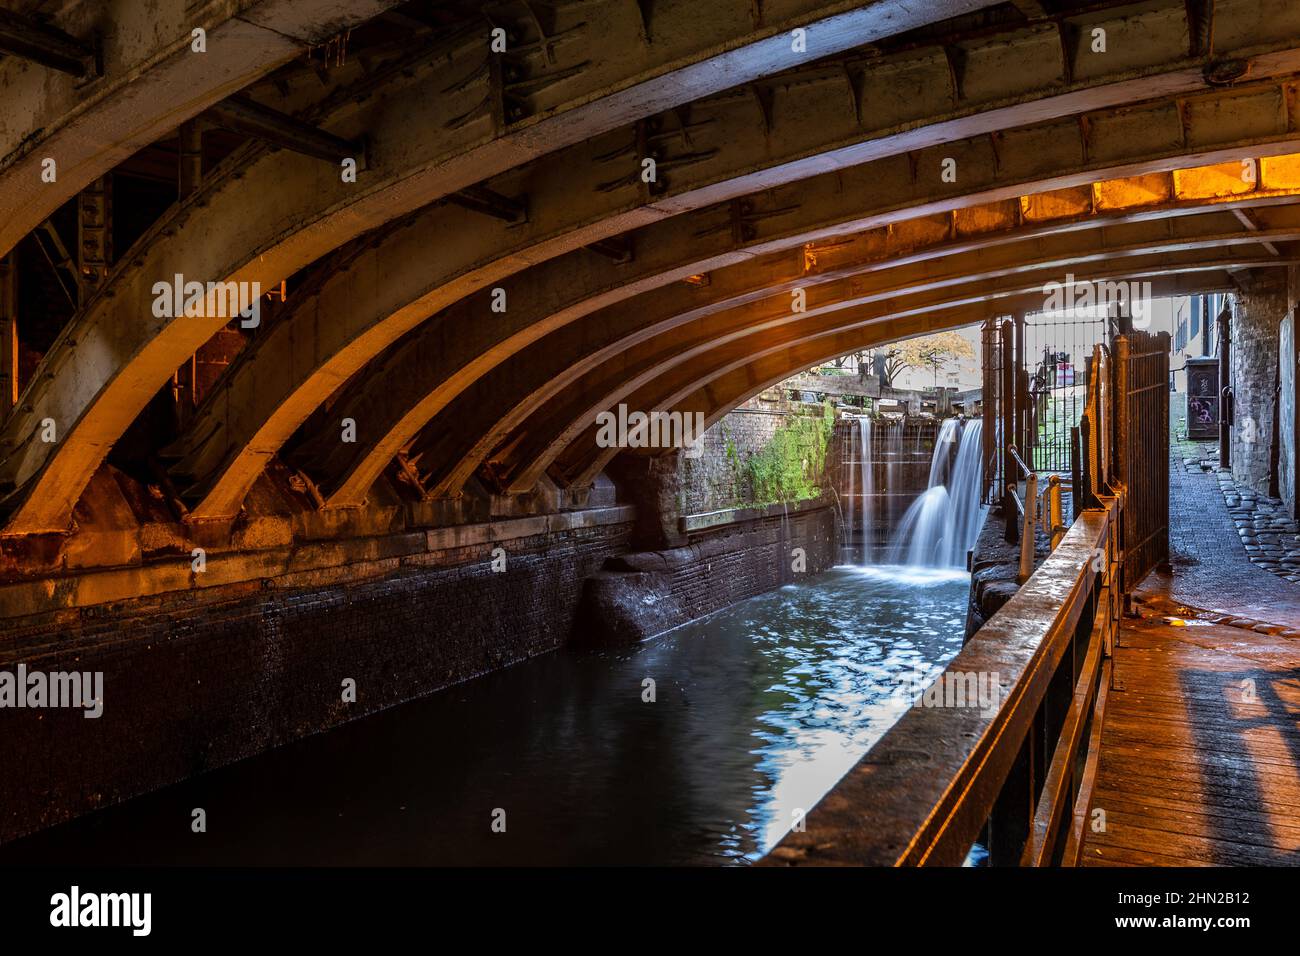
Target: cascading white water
x=849, y=507
x=941, y=525
x=894, y=461
x=967, y=512
x=942, y=457
x=919, y=539
x=864, y=463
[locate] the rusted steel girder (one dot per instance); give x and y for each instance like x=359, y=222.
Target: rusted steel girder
x=405, y=383
x=545, y=435
x=1044, y=156
x=738, y=371
x=152, y=79
x=243, y=115
x=549, y=393
x=303, y=361
x=427, y=145
x=25, y=38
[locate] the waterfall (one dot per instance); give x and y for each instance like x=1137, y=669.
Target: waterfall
x=849, y=507
x=942, y=457
x=864, y=462
x=894, y=459
x=941, y=525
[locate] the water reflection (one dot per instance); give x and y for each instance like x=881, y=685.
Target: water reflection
x=758, y=710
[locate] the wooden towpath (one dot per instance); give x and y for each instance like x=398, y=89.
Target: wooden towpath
x=1200, y=749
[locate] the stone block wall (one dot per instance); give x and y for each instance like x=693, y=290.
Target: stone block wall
x=639, y=595
x=192, y=682
x=1256, y=320
x=1286, y=412
x=717, y=479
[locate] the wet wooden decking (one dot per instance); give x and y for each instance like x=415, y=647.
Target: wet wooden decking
x=1200, y=750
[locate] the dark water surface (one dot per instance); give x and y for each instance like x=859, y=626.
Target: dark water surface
x=759, y=709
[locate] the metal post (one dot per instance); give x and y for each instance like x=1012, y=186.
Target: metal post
x=1027, y=539
x=1121, y=460
x=1022, y=388
x=8, y=333
x=190, y=149
x=1225, y=389
x=1055, y=524
x=1120, y=400
x=1008, y=429
x=189, y=176
x=988, y=407
x=94, y=235
x=1076, y=472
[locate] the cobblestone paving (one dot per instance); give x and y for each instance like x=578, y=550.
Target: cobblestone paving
x=1232, y=551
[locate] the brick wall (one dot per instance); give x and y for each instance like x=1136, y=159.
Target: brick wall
x=717, y=479
x=1256, y=320
x=1286, y=432
x=192, y=685
x=639, y=595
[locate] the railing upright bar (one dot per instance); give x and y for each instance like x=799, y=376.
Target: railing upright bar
x=1055, y=528
x=1027, y=536
x=1007, y=403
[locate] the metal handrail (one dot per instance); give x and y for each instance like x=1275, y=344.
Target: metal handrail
x=1025, y=470
x=1049, y=502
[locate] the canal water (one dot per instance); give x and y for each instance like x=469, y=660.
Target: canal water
x=757, y=711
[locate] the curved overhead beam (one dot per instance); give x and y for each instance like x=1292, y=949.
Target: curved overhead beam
x=152, y=81
x=811, y=120
x=740, y=370
x=559, y=424
x=1059, y=154
x=587, y=367
x=425, y=144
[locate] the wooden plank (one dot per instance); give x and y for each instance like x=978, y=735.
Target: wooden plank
x=1257, y=829
x=1214, y=793
x=1099, y=855
x=1177, y=803
x=1056, y=786
x=1189, y=772
x=1170, y=724
x=1154, y=765
x=1219, y=852
x=1219, y=743
x=1202, y=759
x=1083, y=804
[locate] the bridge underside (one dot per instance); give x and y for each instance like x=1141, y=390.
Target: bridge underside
x=296, y=295
x=574, y=224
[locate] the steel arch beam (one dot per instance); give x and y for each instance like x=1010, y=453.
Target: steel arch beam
x=584, y=368
x=709, y=152
x=1056, y=155
x=152, y=81
x=550, y=93
x=539, y=440
x=739, y=371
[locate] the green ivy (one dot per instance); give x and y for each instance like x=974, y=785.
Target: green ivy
x=789, y=467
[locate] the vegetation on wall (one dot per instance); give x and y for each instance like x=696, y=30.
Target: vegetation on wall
x=790, y=466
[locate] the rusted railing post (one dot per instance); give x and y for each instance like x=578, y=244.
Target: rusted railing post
x=1076, y=473
x=1021, y=386
x=1054, y=526
x=1120, y=401
x=1225, y=389
x=1027, y=536
x=988, y=408
x=1007, y=402
x=1120, y=462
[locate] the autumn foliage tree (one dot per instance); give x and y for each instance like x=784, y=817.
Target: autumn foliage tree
x=926, y=351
